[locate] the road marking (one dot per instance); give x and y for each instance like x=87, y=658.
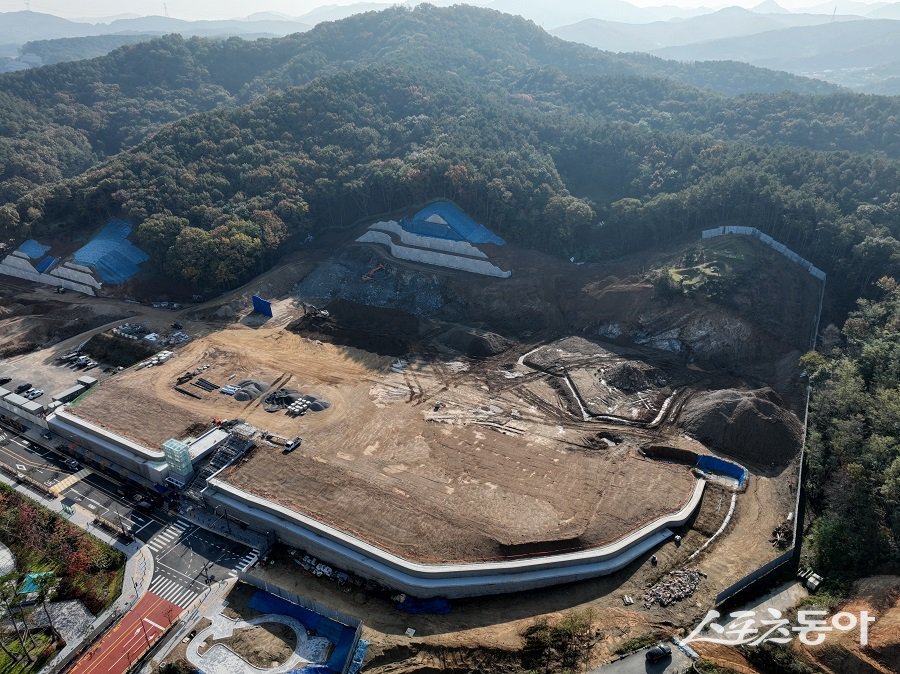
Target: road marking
x=67, y=482
x=157, y=626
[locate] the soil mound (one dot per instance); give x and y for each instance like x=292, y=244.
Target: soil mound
x=632, y=377
x=751, y=426
x=475, y=343
x=387, y=332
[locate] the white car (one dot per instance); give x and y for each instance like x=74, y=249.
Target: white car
x=34, y=393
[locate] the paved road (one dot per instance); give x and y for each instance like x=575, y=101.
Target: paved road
x=141, y=627
x=637, y=664
x=187, y=558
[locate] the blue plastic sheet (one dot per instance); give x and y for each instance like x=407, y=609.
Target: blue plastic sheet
x=46, y=264
x=713, y=464
x=262, y=306
x=111, y=254
x=33, y=249
x=459, y=227
x=342, y=636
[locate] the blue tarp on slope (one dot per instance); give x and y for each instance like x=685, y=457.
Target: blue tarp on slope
x=342, y=636
x=46, y=264
x=713, y=464
x=111, y=254
x=33, y=249
x=459, y=227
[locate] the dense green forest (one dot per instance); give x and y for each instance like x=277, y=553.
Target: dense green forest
x=854, y=442
x=224, y=150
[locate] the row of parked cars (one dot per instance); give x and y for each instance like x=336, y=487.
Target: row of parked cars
x=24, y=390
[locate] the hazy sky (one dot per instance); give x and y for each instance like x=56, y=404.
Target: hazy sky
x=220, y=9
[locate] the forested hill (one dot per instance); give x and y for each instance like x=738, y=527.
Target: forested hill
x=91, y=109
x=555, y=145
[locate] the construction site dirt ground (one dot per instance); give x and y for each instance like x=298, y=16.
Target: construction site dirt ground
x=441, y=460
x=473, y=633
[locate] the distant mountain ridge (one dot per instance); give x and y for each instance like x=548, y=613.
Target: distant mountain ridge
x=25, y=26
x=723, y=24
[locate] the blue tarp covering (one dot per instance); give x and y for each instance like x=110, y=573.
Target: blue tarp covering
x=312, y=669
x=262, y=306
x=111, y=254
x=33, y=249
x=46, y=264
x=412, y=605
x=342, y=636
x=713, y=464
x=459, y=226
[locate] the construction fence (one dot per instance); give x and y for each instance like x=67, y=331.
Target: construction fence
x=769, y=241
x=342, y=630
x=788, y=562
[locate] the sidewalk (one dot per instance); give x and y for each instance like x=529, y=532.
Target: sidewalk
x=138, y=562
x=207, y=605
x=210, y=522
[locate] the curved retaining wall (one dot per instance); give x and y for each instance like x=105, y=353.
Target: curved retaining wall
x=446, y=580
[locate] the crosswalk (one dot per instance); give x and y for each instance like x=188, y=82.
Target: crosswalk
x=59, y=487
x=173, y=585
x=168, y=535
x=174, y=590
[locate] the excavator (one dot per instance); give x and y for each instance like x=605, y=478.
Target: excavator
x=370, y=276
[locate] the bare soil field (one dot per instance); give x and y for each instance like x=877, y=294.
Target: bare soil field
x=440, y=460
x=264, y=646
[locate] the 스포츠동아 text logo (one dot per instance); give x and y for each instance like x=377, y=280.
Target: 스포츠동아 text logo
x=745, y=628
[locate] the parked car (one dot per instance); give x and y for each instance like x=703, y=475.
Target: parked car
x=73, y=464
x=659, y=652
x=34, y=393
x=22, y=388
x=5, y=380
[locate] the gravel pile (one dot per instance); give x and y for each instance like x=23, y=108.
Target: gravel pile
x=678, y=585
x=248, y=389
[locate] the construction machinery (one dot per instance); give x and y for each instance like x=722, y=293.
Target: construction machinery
x=370, y=276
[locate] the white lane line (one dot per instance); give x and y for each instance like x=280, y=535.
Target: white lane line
x=159, y=627
x=176, y=573
x=142, y=527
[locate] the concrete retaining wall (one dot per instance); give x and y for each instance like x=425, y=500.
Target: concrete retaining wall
x=17, y=267
x=410, y=239
x=435, y=258
x=445, y=580
x=769, y=241
x=76, y=275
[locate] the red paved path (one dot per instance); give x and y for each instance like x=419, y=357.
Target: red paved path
x=128, y=640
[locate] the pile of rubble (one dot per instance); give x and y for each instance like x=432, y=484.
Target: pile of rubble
x=782, y=535
x=678, y=585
